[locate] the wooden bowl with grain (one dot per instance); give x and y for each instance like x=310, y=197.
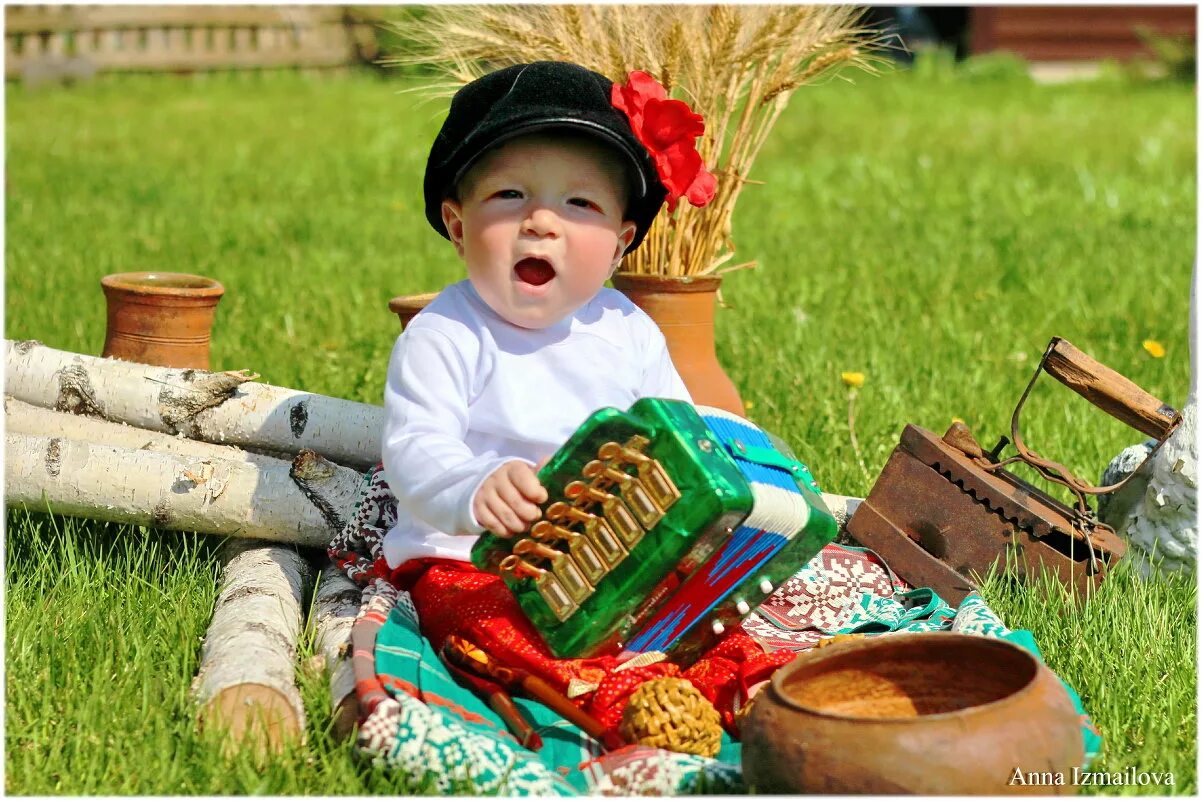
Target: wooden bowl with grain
x=931, y=713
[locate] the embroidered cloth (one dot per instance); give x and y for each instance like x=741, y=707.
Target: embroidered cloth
x=441, y=736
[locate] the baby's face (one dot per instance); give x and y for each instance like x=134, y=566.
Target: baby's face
x=540, y=227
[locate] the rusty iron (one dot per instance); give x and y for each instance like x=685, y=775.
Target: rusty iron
x=944, y=511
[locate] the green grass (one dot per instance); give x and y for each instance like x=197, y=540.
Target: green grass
x=1130, y=653
x=104, y=628
x=931, y=229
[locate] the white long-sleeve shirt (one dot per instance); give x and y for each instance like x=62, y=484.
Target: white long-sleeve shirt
x=466, y=392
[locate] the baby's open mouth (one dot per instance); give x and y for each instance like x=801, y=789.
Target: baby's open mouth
x=534, y=271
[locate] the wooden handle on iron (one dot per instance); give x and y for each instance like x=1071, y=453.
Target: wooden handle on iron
x=1109, y=391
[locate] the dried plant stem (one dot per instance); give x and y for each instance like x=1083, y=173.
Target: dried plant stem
x=851, y=428
x=738, y=66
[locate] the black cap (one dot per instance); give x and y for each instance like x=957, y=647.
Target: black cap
x=526, y=98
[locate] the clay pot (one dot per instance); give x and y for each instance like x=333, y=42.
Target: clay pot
x=406, y=307
x=683, y=308
x=933, y=713
x=164, y=319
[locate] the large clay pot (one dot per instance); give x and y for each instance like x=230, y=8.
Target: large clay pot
x=160, y=318
x=934, y=713
x=683, y=308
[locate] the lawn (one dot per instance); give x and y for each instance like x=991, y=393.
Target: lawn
x=931, y=229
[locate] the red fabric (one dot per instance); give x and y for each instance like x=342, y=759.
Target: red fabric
x=668, y=129
x=456, y=598
x=727, y=672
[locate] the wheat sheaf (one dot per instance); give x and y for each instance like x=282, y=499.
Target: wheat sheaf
x=737, y=66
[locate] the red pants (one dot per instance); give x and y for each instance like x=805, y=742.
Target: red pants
x=456, y=598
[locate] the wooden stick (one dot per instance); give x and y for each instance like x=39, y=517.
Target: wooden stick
x=461, y=653
x=336, y=603
x=540, y=691
x=246, y=681
x=225, y=408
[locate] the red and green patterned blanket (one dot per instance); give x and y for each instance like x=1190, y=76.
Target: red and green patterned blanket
x=439, y=736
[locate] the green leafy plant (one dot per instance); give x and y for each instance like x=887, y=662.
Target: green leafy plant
x=1176, y=55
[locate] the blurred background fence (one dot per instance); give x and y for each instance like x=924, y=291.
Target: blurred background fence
x=1070, y=33
x=49, y=42
x=41, y=39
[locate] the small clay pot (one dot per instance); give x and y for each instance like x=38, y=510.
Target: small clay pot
x=683, y=308
x=406, y=307
x=934, y=713
x=164, y=319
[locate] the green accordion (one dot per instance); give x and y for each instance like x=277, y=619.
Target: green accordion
x=666, y=525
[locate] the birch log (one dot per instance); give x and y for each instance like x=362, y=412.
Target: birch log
x=25, y=418
x=337, y=603
x=227, y=408
x=255, y=497
x=333, y=489
x=246, y=681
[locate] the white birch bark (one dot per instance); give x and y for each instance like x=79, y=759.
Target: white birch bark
x=336, y=604
x=25, y=418
x=254, y=498
x=246, y=680
x=228, y=408
x=333, y=489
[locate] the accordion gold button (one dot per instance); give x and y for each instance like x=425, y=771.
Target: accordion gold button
x=651, y=473
x=579, y=547
x=563, y=566
x=606, y=543
x=615, y=512
x=632, y=491
x=548, y=586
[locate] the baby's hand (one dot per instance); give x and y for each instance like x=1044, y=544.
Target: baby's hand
x=505, y=503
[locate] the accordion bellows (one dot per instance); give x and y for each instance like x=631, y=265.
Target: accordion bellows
x=667, y=524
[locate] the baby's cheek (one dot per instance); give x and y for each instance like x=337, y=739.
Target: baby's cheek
x=596, y=251
x=494, y=244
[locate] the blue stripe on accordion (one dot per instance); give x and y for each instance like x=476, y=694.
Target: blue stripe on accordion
x=760, y=546
x=657, y=637
x=747, y=550
x=728, y=430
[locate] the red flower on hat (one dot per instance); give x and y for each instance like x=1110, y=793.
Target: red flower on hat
x=668, y=129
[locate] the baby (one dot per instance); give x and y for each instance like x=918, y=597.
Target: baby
x=543, y=176
x=542, y=184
